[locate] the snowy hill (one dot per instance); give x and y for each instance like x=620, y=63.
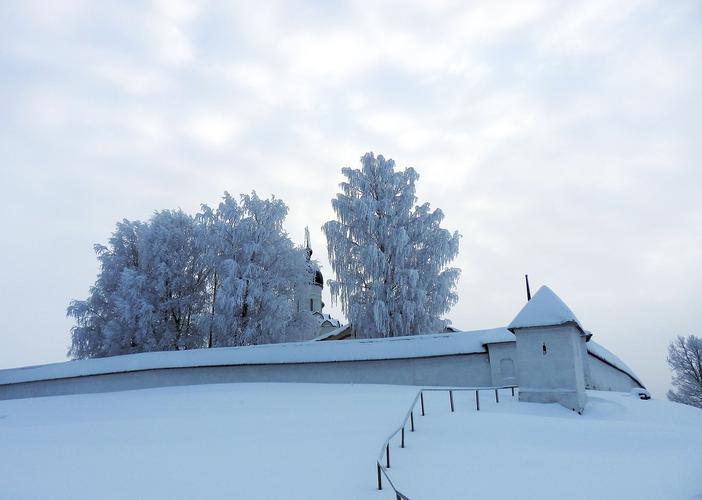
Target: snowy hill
x=319, y=441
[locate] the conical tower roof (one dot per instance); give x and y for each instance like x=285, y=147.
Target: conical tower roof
x=544, y=309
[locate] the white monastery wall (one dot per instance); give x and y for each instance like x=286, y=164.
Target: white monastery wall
x=503, y=363
x=483, y=358
x=604, y=377
x=466, y=370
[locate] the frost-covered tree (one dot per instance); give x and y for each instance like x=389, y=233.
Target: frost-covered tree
x=169, y=293
x=225, y=277
x=149, y=293
x=389, y=255
x=256, y=270
x=685, y=360
x=98, y=331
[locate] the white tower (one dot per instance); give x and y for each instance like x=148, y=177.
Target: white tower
x=311, y=298
x=550, y=358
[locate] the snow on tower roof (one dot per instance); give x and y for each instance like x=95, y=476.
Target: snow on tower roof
x=544, y=309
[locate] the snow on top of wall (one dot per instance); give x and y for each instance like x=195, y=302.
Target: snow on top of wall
x=599, y=351
x=544, y=309
x=417, y=346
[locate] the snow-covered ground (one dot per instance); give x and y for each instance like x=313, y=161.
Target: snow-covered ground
x=621, y=447
x=320, y=441
x=246, y=441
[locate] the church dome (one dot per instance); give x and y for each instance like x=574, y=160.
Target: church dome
x=318, y=278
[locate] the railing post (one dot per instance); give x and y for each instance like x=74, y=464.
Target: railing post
x=497, y=397
x=477, y=400
x=451, y=399
x=421, y=398
x=387, y=455
x=412, y=421
x=512, y=391
x=403, y=437
x=380, y=479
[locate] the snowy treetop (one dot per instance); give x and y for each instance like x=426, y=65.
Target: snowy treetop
x=544, y=309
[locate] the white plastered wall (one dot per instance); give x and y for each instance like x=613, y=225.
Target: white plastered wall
x=550, y=366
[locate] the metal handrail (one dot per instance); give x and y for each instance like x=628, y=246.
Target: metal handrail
x=382, y=470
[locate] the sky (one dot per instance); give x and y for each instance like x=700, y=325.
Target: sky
x=561, y=139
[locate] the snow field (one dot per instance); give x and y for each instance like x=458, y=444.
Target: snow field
x=320, y=441
x=621, y=447
x=246, y=441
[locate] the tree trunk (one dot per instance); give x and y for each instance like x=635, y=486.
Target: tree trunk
x=212, y=313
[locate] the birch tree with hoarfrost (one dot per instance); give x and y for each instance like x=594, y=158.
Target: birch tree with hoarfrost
x=254, y=272
x=225, y=277
x=390, y=256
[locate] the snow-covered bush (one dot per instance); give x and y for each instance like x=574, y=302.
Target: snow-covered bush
x=389, y=255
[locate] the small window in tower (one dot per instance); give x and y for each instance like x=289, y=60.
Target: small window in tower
x=311, y=304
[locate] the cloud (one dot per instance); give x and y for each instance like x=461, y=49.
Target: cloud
x=212, y=129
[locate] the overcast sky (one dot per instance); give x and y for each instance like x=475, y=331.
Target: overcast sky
x=560, y=139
